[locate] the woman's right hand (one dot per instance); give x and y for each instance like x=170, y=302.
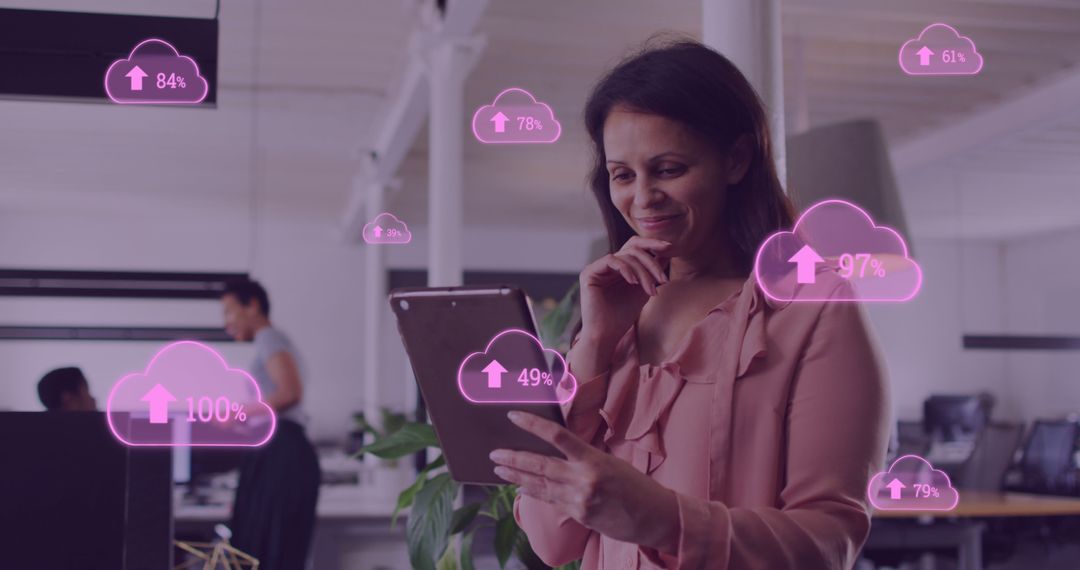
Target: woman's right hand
x=615, y=287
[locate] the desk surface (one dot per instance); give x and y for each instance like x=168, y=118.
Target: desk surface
x=985, y=504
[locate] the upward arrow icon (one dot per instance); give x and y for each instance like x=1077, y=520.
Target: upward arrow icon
x=805, y=260
x=500, y=122
x=159, y=399
x=136, y=74
x=494, y=371
x=924, y=55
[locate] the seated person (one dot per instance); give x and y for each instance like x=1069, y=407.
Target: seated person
x=66, y=390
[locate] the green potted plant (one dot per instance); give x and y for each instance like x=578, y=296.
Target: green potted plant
x=433, y=522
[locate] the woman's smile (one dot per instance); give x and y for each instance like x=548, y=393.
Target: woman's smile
x=658, y=222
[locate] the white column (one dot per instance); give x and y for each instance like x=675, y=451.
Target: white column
x=748, y=33
x=449, y=63
x=374, y=303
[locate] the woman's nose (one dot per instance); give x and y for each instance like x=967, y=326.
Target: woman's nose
x=646, y=193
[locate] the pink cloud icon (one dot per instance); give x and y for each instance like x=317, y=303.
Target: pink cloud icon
x=940, y=50
x=515, y=116
x=189, y=396
x=912, y=484
x=386, y=228
x=839, y=237
x=155, y=73
x=516, y=368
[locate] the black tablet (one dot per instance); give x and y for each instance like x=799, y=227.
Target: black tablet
x=440, y=328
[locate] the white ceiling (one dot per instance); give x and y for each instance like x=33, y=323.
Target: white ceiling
x=303, y=86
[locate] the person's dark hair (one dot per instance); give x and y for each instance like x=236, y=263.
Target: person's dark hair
x=55, y=383
x=687, y=82
x=247, y=289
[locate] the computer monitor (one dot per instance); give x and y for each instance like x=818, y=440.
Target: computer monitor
x=956, y=417
x=72, y=496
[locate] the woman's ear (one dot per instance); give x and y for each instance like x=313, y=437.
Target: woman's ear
x=739, y=159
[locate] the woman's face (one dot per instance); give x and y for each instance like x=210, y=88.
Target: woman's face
x=666, y=181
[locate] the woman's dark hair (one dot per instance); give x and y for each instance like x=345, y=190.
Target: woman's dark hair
x=689, y=83
x=245, y=289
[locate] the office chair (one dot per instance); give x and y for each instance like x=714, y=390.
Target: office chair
x=991, y=458
x=911, y=439
x=952, y=418
x=954, y=424
x=1048, y=465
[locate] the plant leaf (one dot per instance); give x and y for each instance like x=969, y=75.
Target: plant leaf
x=448, y=560
x=575, y=565
x=428, y=529
x=464, y=516
x=505, y=538
x=554, y=324
x=466, y=551
x=405, y=498
x=409, y=439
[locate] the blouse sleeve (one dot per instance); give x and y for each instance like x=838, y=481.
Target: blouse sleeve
x=837, y=425
x=556, y=537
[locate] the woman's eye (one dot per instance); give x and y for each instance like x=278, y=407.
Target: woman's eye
x=671, y=171
x=620, y=176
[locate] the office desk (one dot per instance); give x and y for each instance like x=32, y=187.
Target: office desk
x=966, y=533
x=351, y=530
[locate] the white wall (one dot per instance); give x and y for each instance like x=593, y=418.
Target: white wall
x=1043, y=298
x=921, y=339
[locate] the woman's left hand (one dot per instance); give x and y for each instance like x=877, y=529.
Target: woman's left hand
x=599, y=490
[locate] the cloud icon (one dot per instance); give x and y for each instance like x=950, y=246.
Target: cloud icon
x=515, y=116
x=838, y=237
x=155, y=73
x=912, y=484
x=386, y=228
x=940, y=50
x=516, y=368
x=189, y=396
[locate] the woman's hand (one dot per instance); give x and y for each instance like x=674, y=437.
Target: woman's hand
x=602, y=492
x=615, y=287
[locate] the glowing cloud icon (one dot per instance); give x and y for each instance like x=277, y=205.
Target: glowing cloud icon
x=386, y=228
x=839, y=237
x=189, y=396
x=940, y=50
x=912, y=484
x=515, y=117
x=154, y=73
x=516, y=368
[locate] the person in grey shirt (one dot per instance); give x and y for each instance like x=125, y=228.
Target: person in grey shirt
x=274, y=511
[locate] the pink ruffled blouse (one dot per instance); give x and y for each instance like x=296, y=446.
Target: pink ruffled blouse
x=767, y=421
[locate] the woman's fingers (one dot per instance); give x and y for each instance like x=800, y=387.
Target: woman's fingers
x=534, y=463
x=644, y=277
x=655, y=245
x=623, y=268
x=563, y=439
x=647, y=260
x=535, y=486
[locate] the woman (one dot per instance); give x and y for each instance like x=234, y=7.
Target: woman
x=277, y=495
x=713, y=428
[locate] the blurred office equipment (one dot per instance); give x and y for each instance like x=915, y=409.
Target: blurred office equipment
x=954, y=424
x=75, y=497
x=1048, y=462
x=910, y=439
x=991, y=458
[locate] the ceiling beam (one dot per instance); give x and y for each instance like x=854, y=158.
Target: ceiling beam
x=406, y=113
x=1043, y=104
